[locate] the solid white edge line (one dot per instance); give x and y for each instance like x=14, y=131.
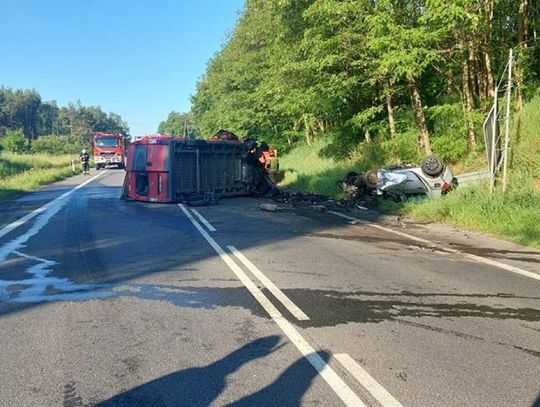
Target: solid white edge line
x=473, y=257
x=343, y=391
x=286, y=301
x=21, y=221
x=366, y=380
x=204, y=221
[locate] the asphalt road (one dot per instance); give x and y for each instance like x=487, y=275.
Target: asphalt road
x=105, y=302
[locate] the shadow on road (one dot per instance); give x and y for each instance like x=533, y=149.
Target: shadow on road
x=200, y=386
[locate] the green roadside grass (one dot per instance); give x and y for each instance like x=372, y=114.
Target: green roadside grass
x=305, y=170
x=21, y=173
x=514, y=215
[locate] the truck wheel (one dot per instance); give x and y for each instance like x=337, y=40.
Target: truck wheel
x=432, y=166
x=98, y=167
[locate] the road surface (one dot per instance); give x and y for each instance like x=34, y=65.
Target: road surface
x=105, y=302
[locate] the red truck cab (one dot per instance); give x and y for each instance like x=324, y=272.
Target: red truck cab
x=108, y=149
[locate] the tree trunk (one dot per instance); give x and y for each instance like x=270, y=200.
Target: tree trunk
x=483, y=87
x=424, y=141
x=467, y=98
x=390, y=110
x=307, y=129
x=522, y=46
x=490, y=83
x=486, y=49
x=367, y=136
x=473, y=73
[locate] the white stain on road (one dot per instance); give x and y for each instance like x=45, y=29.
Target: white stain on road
x=41, y=287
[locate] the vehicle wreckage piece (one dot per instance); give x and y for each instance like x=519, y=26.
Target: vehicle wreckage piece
x=163, y=168
x=432, y=178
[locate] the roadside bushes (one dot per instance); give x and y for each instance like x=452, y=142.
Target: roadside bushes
x=15, y=141
x=449, y=138
x=56, y=145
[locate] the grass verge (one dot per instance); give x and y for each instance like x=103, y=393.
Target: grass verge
x=305, y=170
x=514, y=215
x=24, y=173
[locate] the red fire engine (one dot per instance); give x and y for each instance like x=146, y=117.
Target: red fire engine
x=108, y=149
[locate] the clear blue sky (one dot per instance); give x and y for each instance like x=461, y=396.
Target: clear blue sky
x=138, y=58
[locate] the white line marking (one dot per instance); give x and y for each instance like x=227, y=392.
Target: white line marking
x=369, y=383
x=343, y=391
x=204, y=221
x=47, y=211
x=21, y=221
x=286, y=301
x=473, y=257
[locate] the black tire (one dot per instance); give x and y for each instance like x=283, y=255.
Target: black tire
x=432, y=166
x=350, y=177
x=371, y=179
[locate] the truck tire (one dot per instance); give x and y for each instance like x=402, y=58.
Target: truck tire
x=98, y=167
x=432, y=166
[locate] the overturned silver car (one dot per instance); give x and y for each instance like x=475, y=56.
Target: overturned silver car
x=432, y=178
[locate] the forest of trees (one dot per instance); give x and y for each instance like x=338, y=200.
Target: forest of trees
x=29, y=124
x=414, y=76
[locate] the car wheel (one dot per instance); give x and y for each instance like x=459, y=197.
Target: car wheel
x=432, y=166
x=371, y=178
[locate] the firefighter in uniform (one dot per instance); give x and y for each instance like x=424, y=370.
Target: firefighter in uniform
x=85, y=158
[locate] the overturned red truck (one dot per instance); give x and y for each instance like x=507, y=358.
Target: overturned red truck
x=163, y=168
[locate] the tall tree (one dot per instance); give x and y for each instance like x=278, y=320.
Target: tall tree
x=179, y=124
x=47, y=118
x=19, y=109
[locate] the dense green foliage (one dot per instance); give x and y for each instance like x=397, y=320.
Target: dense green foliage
x=45, y=127
x=15, y=141
x=358, y=71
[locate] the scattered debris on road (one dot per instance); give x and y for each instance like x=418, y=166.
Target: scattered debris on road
x=269, y=207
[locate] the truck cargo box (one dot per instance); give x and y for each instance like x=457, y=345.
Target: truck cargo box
x=166, y=169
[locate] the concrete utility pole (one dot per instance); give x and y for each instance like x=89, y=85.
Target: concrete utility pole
x=507, y=121
x=492, y=164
